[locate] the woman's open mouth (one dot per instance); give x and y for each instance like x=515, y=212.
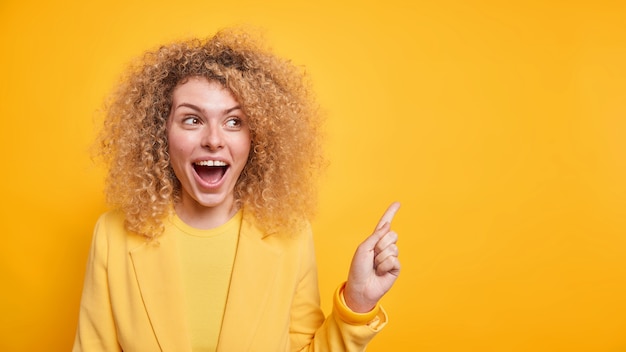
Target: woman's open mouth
x=211, y=171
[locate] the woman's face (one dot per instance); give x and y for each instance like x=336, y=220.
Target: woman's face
x=209, y=143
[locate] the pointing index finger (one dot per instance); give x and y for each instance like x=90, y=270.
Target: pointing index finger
x=388, y=215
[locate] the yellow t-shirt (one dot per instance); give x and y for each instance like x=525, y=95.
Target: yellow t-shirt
x=207, y=258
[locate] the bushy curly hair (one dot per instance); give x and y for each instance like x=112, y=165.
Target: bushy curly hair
x=278, y=183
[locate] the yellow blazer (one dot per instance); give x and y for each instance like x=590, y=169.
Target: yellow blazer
x=133, y=298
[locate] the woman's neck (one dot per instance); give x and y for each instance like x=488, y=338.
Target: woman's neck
x=201, y=217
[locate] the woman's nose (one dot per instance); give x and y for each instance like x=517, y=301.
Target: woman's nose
x=213, y=138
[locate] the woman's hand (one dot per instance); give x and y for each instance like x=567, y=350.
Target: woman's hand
x=375, y=266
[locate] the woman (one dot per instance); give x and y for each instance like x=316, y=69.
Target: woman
x=212, y=147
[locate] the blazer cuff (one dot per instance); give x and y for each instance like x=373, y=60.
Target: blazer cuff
x=347, y=315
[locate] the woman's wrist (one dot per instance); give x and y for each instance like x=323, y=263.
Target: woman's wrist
x=348, y=314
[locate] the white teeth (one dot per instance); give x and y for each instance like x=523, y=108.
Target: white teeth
x=210, y=163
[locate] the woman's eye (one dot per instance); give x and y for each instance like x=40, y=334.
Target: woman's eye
x=191, y=120
x=233, y=123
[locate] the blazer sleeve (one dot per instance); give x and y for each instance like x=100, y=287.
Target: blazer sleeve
x=96, y=328
x=340, y=331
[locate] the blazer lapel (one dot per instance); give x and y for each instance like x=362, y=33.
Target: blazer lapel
x=251, y=284
x=158, y=274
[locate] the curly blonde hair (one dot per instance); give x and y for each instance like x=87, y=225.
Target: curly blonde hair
x=278, y=183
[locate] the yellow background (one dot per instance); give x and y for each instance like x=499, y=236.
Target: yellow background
x=500, y=127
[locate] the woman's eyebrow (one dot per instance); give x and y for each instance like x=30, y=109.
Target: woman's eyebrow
x=236, y=107
x=199, y=109
x=188, y=105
